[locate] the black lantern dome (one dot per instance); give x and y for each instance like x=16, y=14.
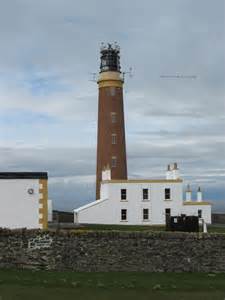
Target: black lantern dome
x=110, y=58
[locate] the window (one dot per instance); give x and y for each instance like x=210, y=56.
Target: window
x=123, y=194
x=167, y=211
x=123, y=214
x=145, y=194
x=200, y=213
x=112, y=91
x=167, y=194
x=114, y=161
x=113, y=117
x=114, y=136
x=145, y=214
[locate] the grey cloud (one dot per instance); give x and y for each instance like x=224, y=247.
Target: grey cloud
x=59, y=162
x=168, y=119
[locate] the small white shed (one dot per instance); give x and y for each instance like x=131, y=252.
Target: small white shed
x=23, y=200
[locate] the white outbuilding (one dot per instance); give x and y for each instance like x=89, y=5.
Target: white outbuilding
x=141, y=201
x=24, y=200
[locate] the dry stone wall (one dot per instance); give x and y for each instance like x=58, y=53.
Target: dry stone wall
x=112, y=251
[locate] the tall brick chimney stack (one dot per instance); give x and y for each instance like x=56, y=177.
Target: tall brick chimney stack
x=111, y=147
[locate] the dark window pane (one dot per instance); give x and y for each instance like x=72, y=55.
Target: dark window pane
x=167, y=194
x=145, y=194
x=145, y=214
x=167, y=211
x=123, y=214
x=123, y=194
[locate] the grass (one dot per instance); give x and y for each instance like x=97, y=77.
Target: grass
x=95, y=227
x=100, y=227
x=18, y=284
x=216, y=229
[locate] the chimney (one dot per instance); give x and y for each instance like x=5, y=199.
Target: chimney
x=188, y=193
x=199, y=195
x=172, y=172
x=168, y=173
x=106, y=173
x=176, y=172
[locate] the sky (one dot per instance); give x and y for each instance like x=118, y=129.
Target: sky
x=174, y=102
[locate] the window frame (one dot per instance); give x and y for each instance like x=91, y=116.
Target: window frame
x=112, y=91
x=123, y=213
x=114, y=138
x=145, y=212
x=113, y=117
x=114, y=162
x=123, y=194
x=143, y=194
x=166, y=194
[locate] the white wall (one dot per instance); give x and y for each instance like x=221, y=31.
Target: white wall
x=156, y=204
x=17, y=207
x=101, y=212
x=109, y=211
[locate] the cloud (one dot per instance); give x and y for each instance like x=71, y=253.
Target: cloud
x=48, y=116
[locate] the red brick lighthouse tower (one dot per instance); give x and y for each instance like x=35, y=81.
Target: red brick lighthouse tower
x=111, y=147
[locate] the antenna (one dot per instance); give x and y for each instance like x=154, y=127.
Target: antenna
x=129, y=72
x=102, y=46
x=116, y=46
x=93, y=77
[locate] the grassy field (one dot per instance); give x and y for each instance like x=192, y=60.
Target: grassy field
x=110, y=286
x=100, y=227
x=94, y=227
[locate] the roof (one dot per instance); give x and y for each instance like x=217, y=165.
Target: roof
x=23, y=175
x=196, y=203
x=96, y=202
x=143, y=181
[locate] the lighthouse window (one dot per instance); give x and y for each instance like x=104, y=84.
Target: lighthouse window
x=112, y=91
x=114, y=161
x=114, y=139
x=167, y=194
x=113, y=117
x=123, y=214
x=200, y=213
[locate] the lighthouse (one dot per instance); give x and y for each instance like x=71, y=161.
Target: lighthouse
x=111, y=145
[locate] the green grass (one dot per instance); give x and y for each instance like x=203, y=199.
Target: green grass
x=123, y=227
x=110, y=286
x=95, y=227
x=216, y=229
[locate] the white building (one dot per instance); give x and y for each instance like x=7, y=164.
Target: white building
x=23, y=201
x=139, y=202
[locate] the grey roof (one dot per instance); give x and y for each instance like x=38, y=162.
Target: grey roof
x=23, y=175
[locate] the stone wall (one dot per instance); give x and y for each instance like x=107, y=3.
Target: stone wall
x=112, y=251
